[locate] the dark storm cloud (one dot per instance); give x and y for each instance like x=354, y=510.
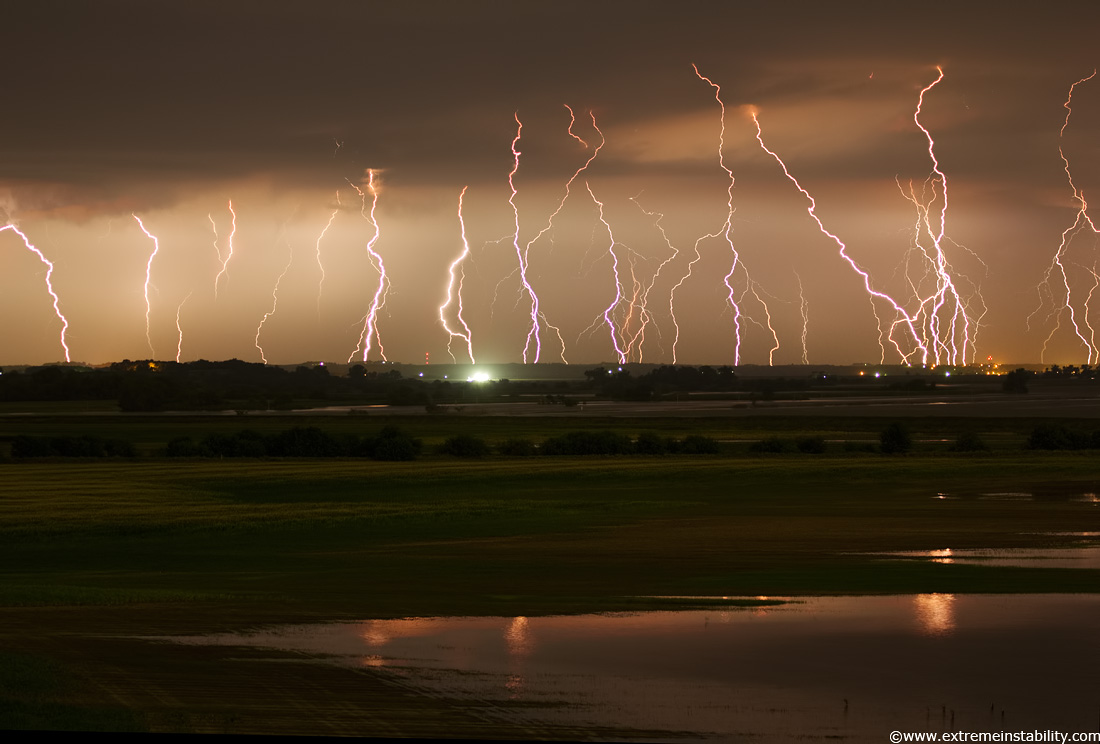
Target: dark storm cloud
x=103, y=95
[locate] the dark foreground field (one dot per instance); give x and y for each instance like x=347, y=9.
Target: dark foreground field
x=95, y=554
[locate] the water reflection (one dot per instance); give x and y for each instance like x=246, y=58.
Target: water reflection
x=941, y=556
x=833, y=667
x=1079, y=557
x=935, y=613
x=1056, y=492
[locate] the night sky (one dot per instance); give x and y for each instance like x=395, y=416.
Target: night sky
x=169, y=111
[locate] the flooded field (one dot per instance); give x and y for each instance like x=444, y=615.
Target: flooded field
x=848, y=667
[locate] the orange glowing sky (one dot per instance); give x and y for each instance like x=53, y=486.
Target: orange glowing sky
x=121, y=108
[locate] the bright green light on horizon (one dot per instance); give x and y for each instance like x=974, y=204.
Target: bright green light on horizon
x=478, y=377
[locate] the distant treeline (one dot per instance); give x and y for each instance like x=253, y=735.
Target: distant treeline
x=149, y=385
x=391, y=443
x=215, y=386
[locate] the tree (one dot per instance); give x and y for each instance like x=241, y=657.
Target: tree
x=1016, y=381
x=895, y=439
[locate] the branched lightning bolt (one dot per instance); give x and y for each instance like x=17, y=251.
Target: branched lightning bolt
x=217, y=249
x=561, y=205
x=609, y=311
x=725, y=232
x=229, y=254
x=148, y=279
x=320, y=265
x=646, y=316
x=274, y=298
x=726, y=228
x=179, y=328
x=49, y=283
x=950, y=329
x=1080, y=223
x=805, y=308
x=370, y=320
x=900, y=315
x=455, y=294
x=521, y=257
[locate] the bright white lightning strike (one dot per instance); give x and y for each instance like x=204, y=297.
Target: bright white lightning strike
x=725, y=232
x=370, y=320
x=609, y=311
x=320, y=265
x=1081, y=222
x=521, y=257
x=805, y=308
x=49, y=283
x=454, y=294
x=524, y=262
x=229, y=253
x=274, y=301
x=843, y=250
x=179, y=328
x=646, y=317
x=148, y=280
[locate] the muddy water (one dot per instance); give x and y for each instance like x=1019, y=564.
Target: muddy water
x=852, y=667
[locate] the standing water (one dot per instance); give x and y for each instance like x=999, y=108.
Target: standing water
x=849, y=667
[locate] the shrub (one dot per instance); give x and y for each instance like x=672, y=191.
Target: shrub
x=299, y=441
x=464, y=445
x=1057, y=437
x=968, y=441
x=772, y=445
x=517, y=448
x=1016, y=381
x=394, y=444
x=895, y=439
x=183, y=447
x=810, y=445
x=588, y=443
x=649, y=443
x=697, y=444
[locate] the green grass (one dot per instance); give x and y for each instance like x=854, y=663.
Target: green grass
x=296, y=533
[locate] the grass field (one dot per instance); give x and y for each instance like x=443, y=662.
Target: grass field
x=94, y=550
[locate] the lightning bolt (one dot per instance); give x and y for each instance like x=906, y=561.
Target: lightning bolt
x=274, y=297
x=370, y=320
x=645, y=315
x=609, y=311
x=947, y=300
x=805, y=308
x=725, y=232
x=148, y=277
x=179, y=328
x=217, y=249
x=320, y=265
x=455, y=295
x=521, y=256
x=229, y=255
x=1081, y=222
x=561, y=205
x=49, y=283
x=900, y=314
